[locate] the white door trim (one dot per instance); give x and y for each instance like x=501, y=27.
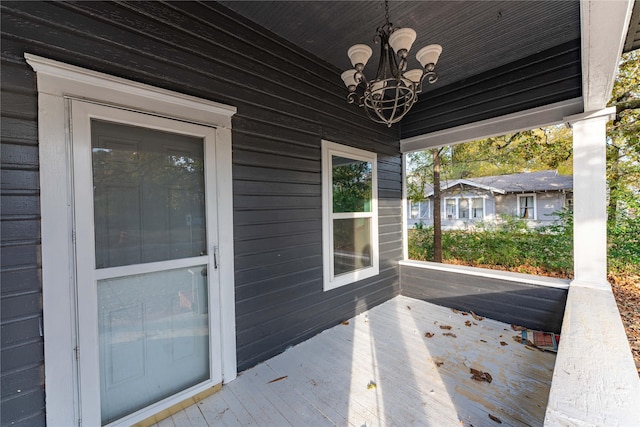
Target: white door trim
x=57, y=82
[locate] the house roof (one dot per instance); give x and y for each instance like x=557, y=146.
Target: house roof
x=525, y=182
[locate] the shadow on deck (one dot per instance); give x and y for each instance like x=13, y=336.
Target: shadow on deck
x=380, y=369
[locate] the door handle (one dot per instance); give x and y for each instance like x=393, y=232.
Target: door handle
x=215, y=257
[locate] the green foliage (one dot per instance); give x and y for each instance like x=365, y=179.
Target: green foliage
x=509, y=245
x=352, y=188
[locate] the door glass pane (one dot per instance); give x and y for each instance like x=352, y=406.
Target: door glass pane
x=148, y=195
x=351, y=244
x=153, y=338
x=352, y=188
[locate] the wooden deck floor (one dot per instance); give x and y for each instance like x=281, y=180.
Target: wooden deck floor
x=380, y=369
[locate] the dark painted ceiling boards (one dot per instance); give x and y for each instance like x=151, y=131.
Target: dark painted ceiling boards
x=476, y=36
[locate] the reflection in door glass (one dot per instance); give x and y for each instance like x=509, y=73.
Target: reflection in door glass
x=153, y=336
x=148, y=195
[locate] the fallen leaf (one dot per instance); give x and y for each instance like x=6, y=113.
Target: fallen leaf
x=474, y=323
x=467, y=323
x=464, y=313
x=482, y=341
x=313, y=383
x=371, y=385
x=455, y=311
x=529, y=348
x=449, y=334
x=277, y=379
x=518, y=328
x=517, y=339
x=345, y=322
x=408, y=308
x=428, y=335
x=496, y=419
x=502, y=343
x=445, y=327
x=475, y=316
x=481, y=376
x=438, y=364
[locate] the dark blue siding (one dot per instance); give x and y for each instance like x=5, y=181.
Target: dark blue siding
x=287, y=101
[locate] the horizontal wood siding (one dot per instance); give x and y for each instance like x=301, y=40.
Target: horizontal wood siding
x=533, y=306
x=550, y=76
x=287, y=102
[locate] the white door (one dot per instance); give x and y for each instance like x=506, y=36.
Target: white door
x=146, y=268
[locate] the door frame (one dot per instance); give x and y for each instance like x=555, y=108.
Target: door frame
x=58, y=83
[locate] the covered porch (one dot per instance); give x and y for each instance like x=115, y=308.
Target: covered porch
x=381, y=368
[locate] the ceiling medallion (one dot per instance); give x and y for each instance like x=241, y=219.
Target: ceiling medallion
x=394, y=90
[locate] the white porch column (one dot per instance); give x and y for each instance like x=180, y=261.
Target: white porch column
x=589, y=197
x=595, y=382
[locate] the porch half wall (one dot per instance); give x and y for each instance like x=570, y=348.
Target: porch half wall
x=510, y=300
x=287, y=101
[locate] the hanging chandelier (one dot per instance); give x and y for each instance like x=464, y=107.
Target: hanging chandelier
x=394, y=90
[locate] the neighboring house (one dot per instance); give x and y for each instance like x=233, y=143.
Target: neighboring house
x=532, y=196
x=167, y=172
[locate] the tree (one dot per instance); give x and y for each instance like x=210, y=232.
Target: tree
x=623, y=142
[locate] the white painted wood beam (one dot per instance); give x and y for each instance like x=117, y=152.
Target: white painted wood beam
x=522, y=120
x=604, y=28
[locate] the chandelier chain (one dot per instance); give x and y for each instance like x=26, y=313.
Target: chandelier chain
x=386, y=11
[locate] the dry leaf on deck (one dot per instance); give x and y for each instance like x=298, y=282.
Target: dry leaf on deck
x=277, y=379
x=345, y=322
x=502, y=343
x=428, y=335
x=518, y=328
x=475, y=316
x=447, y=327
x=371, y=385
x=467, y=323
x=496, y=419
x=449, y=334
x=481, y=376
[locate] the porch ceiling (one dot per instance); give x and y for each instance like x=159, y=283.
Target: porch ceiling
x=476, y=36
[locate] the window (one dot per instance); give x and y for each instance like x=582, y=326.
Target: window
x=420, y=210
x=477, y=208
x=451, y=208
x=527, y=206
x=350, y=214
x=463, y=208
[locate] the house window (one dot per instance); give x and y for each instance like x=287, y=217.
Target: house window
x=425, y=209
x=350, y=214
x=527, y=206
x=420, y=210
x=451, y=208
x=477, y=208
x=463, y=208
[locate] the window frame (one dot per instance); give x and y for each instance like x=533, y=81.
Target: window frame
x=330, y=281
x=535, y=206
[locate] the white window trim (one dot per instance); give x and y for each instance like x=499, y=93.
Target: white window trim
x=57, y=83
x=535, y=206
x=329, y=149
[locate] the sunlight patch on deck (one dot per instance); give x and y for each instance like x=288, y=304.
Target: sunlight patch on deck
x=381, y=369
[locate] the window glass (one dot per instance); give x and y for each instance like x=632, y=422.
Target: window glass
x=351, y=244
x=450, y=208
x=424, y=209
x=526, y=207
x=477, y=210
x=464, y=208
x=351, y=185
x=415, y=209
x=148, y=195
